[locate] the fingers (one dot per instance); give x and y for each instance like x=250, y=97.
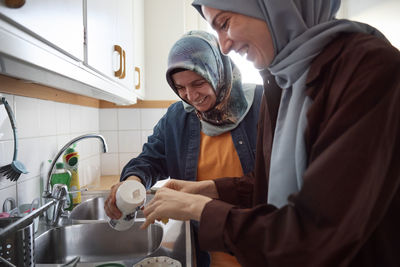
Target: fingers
x=146, y=224
x=110, y=206
x=173, y=184
x=150, y=211
x=149, y=214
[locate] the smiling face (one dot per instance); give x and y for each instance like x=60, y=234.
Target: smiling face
x=195, y=90
x=245, y=35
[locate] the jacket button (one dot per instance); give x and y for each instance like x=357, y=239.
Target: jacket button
x=240, y=142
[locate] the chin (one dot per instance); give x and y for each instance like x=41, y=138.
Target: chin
x=201, y=109
x=260, y=65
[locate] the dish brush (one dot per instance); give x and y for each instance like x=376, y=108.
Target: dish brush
x=16, y=168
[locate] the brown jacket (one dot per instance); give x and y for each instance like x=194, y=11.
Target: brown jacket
x=348, y=210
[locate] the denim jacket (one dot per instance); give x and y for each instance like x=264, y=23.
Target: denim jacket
x=173, y=148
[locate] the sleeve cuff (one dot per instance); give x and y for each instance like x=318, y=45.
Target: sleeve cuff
x=212, y=225
x=227, y=189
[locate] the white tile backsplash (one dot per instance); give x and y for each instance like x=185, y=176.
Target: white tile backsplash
x=108, y=119
x=27, y=190
x=129, y=119
x=89, y=170
x=27, y=112
x=63, y=118
x=6, y=192
x=77, y=119
x=47, y=118
x=112, y=140
x=44, y=127
x=129, y=141
x=110, y=164
x=6, y=154
x=5, y=125
x=63, y=140
x=30, y=150
x=150, y=117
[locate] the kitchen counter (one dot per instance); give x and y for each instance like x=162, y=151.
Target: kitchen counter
x=104, y=183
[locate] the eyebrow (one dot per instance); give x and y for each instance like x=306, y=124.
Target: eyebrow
x=213, y=22
x=192, y=82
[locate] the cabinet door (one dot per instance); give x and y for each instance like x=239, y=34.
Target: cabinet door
x=138, y=46
x=109, y=28
x=57, y=22
x=125, y=38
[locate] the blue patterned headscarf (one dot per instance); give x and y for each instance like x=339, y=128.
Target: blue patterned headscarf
x=198, y=51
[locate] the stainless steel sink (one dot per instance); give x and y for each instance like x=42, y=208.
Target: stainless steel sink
x=88, y=236
x=89, y=210
x=96, y=242
x=93, y=210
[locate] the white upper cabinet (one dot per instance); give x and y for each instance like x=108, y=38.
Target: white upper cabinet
x=138, y=48
x=81, y=46
x=109, y=32
x=52, y=21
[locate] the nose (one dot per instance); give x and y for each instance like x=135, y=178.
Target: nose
x=225, y=43
x=191, y=95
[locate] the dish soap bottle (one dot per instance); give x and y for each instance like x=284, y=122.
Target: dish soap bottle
x=62, y=176
x=70, y=159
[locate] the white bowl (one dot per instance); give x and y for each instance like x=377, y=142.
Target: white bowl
x=158, y=262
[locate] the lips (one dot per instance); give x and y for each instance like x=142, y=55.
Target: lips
x=201, y=101
x=243, y=50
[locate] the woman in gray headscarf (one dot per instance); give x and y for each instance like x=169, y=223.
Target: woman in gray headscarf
x=326, y=183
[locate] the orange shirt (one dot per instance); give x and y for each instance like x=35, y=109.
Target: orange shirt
x=218, y=158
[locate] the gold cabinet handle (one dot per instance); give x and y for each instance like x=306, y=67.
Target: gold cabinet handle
x=118, y=49
x=123, y=72
x=137, y=86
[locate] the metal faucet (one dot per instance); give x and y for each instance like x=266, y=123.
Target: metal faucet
x=59, y=192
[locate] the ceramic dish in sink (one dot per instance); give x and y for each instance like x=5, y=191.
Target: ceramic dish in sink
x=158, y=262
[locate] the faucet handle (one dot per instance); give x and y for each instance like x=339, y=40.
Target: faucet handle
x=59, y=191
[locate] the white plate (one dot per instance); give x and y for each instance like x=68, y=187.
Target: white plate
x=158, y=262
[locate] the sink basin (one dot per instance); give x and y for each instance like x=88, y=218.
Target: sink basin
x=91, y=210
x=96, y=242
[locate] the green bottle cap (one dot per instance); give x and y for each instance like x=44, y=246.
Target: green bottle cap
x=59, y=165
x=69, y=150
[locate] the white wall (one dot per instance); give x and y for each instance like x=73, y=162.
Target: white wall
x=165, y=23
x=382, y=14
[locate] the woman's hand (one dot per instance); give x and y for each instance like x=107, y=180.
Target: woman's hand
x=110, y=205
x=206, y=188
x=168, y=203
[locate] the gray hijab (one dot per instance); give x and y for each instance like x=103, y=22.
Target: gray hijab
x=198, y=51
x=300, y=29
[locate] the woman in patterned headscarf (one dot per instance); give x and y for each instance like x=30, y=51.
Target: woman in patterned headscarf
x=325, y=190
x=197, y=53
x=209, y=134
